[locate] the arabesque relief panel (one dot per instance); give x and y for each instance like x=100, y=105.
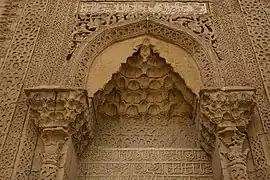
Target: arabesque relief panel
x=51, y=42
x=20, y=69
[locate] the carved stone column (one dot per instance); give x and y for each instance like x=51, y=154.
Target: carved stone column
x=65, y=122
x=55, y=148
x=224, y=115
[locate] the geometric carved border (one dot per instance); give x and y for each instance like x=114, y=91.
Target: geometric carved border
x=83, y=57
x=13, y=72
x=258, y=27
x=69, y=80
x=19, y=61
x=235, y=36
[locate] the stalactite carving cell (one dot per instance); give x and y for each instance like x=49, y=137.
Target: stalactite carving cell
x=145, y=127
x=145, y=112
x=145, y=104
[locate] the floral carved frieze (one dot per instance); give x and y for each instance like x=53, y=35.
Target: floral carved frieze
x=224, y=115
x=93, y=17
x=67, y=109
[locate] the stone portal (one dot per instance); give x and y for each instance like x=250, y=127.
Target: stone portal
x=145, y=127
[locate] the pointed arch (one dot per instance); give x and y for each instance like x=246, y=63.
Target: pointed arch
x=198, y=48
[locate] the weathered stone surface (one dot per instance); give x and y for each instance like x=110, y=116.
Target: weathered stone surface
x=164, y=8
x=224, y=115
x=143, y=64
x=65, y=122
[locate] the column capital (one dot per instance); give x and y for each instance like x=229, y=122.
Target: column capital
x=65, y=119
x=53, y=106
x=222, y=110
x=227, y=107
x=223, y=117
x=66, y=108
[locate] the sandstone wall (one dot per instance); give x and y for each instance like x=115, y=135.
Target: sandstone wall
x=37, y=48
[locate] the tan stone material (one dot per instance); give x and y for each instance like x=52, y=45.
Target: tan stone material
x=143, y=7
x=224, y=115
x=64, y=121
x=134, y=90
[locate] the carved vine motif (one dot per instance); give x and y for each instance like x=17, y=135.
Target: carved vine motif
x=8, y=19
x=198, y=24
x=89, y=23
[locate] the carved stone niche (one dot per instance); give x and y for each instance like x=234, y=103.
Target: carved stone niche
x=65, y=120
x=145, y=104
x=223, y=117
x=145, y=126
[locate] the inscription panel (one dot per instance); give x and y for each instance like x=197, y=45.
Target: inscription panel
x=145, y=154
x=144, y=164
x=148, y=178
x=143, y=7
x=146, y=169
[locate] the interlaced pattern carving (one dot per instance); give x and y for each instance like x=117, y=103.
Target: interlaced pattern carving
x=12, y=79
x=87, y=24
x=231, y=30
x=28, y=142
x=230, y=47
x=55, y=36
x=26, y=151
x=76, y=69
x=64, y=50
x=14, y=68
x=8, y=21
x=12, y=76
x=259, y=29
x=258, y=25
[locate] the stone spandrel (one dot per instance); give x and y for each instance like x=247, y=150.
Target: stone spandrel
x=165, y=8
